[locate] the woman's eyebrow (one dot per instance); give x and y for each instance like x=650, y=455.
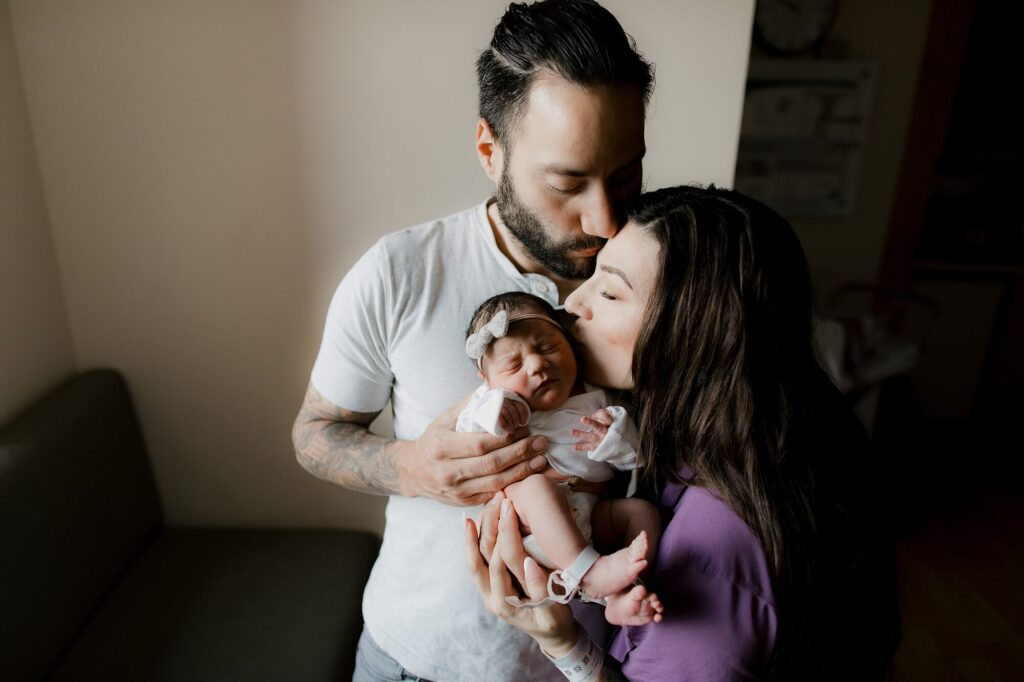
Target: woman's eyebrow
x=616, y=271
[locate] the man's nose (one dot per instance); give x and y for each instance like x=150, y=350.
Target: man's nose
x=599, y=217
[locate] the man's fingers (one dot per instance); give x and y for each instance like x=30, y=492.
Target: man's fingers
x=465, y=445
x=529, y=451
x=472, y=480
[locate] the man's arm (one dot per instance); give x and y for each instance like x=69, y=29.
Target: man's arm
x=336, y=445
x=456, y=468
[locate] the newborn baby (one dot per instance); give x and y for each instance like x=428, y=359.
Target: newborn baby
x=530, y=379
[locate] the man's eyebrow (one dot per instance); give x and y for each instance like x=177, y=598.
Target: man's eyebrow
x=556, y=169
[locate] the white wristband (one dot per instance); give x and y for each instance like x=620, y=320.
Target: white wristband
x=583, y=663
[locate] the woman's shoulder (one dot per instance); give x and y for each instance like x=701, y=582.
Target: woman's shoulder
x=703, y=535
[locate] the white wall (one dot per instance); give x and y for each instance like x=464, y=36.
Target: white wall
x=35, y=344
x=213, y=167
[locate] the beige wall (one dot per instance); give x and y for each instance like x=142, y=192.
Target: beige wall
x=214, y=166
x=892, y=34
x=35, y=344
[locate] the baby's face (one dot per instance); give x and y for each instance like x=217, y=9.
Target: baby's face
x=535, y=360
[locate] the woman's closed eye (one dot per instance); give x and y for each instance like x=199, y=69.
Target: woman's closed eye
x=605, y=294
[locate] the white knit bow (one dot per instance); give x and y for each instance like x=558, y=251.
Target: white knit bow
x=496, y=327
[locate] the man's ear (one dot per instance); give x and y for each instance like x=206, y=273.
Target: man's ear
x=489, y=151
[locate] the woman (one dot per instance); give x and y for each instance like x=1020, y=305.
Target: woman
x=774, y=563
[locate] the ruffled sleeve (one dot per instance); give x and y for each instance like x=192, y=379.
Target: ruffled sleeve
x=618, y=449
x=484, y=408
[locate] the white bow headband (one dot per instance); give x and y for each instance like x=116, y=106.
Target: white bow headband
x=497, y=327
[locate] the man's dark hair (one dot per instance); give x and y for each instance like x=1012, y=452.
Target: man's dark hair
x=576, y=39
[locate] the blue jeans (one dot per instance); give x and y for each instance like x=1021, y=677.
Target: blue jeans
x=373, y=664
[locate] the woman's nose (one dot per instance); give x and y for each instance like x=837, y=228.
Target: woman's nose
x=574, y=304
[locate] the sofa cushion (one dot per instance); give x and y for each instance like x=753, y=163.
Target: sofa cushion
x=77, y=505
x=205, y=604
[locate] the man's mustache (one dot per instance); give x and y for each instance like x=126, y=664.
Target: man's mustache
x=585, y=243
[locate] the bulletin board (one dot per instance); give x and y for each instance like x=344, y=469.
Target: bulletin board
x=802, y=139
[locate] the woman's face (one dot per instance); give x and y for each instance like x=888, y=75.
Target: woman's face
x=610, y=306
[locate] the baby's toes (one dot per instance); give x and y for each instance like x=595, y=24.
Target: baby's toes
x=638, y=548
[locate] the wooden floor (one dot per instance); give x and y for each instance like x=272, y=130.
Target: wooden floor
x=962, y=589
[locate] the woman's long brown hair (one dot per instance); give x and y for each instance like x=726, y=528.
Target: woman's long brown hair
x=727, y=383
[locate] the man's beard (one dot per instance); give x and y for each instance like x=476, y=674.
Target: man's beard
x=527, y=228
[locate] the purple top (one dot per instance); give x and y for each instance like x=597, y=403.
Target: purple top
x=712, y=576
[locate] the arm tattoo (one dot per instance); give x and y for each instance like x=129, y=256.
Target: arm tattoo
x=336, y=445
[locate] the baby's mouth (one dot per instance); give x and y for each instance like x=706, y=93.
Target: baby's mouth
x=544, y=384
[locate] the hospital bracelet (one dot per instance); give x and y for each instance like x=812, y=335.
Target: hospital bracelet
x=583, y=663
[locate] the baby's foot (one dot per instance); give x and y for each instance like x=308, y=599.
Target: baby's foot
x=615, y=572
x=635, y=607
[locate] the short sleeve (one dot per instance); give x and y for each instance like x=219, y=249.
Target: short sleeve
x=352, y=369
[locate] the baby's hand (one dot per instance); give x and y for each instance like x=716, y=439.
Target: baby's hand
x=512, y=415
x=599, y=423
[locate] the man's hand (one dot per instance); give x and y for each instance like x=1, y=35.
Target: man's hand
x=454, y=468
x=466, y=468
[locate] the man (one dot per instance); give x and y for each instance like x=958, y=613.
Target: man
x=561, y=134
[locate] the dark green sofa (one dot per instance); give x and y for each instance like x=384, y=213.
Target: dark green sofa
x=93, y=586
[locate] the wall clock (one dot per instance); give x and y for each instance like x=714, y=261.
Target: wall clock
x=791, y=26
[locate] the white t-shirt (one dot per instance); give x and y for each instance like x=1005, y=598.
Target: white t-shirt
x=396, y=329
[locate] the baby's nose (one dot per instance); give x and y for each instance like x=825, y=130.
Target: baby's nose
x=535, y=363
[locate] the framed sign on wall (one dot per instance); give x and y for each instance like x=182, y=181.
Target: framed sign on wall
x=803, y=134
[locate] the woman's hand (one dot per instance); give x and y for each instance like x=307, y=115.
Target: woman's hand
x=553, y=626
